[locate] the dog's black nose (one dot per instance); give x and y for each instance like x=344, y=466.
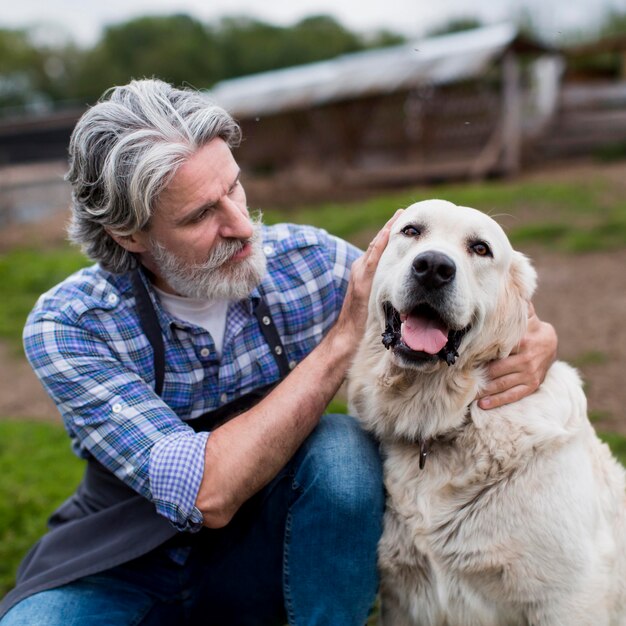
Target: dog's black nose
x=433, y=269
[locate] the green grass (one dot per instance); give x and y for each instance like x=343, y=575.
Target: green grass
x=24, y=275
x=37, y=472
x=591, y=357
x=37, y=469
x=617, y=443
x=580, y=216
x=600, y=416
x=607, y=234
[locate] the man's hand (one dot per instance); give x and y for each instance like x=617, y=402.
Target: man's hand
x=354, y=311
x=521, y=373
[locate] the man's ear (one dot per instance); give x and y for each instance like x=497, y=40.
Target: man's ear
x=136, y=242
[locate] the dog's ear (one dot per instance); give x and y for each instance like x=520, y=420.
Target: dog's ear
x=507, y=325
x=523, y=275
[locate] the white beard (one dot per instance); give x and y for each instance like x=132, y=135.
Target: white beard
x=216, y=278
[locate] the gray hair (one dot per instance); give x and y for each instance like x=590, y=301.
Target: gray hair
x=123, y=153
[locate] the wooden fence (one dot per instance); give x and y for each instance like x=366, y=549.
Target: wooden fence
x=590, y=120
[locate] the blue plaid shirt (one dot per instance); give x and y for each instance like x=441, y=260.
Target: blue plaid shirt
x=85, y=343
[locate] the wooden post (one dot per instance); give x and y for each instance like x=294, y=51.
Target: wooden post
x=512, y=114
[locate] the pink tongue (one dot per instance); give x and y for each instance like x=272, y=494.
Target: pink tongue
x=424, y=335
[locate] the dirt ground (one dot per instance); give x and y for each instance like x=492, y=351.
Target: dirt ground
x=583, y=296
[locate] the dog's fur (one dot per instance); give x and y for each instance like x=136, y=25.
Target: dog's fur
x=519, y=514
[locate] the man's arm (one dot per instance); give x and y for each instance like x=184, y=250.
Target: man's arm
x=245, y=454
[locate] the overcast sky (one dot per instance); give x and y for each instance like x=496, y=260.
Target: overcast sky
x=83, y=19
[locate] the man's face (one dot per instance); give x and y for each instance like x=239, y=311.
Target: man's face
x=201, y=242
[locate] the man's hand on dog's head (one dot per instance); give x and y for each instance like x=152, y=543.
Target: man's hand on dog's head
x=354, y=311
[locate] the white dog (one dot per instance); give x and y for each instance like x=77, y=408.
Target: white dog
x=512, y=516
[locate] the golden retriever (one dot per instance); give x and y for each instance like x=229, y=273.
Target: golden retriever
x=512, y=516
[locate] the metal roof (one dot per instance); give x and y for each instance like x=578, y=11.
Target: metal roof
x=436, y=60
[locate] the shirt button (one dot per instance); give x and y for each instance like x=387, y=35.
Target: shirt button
x=223, y=398
x=205, y=352
x=116, y=408
x=278, y=350
x=292, y=364
x=269, y=250
x=266, y=320
x=112, y=298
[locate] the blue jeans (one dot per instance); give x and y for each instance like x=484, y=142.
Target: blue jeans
x=303, y=551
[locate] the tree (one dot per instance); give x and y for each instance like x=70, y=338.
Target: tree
x=455, y=25
x=614, y=24
x=177, y=48
x=320, y=37
x=249, y=46
x=21, y=70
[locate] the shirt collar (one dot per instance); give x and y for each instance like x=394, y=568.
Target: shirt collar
x=168, y=322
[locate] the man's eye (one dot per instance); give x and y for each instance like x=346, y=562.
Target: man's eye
x=198, y=217
x=411, y=231
x=481, y=248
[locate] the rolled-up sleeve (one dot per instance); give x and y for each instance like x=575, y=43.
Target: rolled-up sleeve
x=176, y=468
x=114, y=415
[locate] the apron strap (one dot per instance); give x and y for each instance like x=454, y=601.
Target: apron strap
x=152, y=329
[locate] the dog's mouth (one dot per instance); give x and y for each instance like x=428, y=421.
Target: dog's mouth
x=421, y=335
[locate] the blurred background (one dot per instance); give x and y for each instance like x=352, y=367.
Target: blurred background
x=349, y=110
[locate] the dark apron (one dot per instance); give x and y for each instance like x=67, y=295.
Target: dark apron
x=106, y=523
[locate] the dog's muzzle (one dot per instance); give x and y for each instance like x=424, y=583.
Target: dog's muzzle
x=430, y=328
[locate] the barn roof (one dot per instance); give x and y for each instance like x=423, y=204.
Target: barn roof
x=436, y=60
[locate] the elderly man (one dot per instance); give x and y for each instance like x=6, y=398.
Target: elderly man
x=192, y=366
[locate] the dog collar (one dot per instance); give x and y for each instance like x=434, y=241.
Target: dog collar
x=425, y=444
x=424, y=449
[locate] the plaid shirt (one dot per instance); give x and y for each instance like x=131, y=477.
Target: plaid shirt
x=85, y=343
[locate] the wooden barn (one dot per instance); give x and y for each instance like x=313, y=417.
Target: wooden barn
x=458, y=105
x=590, y=119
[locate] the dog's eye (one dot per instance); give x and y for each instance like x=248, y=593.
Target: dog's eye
x=411, y=231
x=480, y=248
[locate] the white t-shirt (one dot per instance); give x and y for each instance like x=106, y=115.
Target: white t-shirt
x=208, y=314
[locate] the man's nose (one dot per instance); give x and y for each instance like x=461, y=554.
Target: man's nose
x=236, y=222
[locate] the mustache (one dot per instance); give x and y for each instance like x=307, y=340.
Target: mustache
x=222, y=252
x=225, y=250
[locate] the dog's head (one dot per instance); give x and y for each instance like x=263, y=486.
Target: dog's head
x=449, y=286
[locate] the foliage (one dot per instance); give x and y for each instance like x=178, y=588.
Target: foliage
x=614, y=24
x=177, y=48
x=455, y=25
x=249, y=46
x=603, y=64
x=22, y=70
